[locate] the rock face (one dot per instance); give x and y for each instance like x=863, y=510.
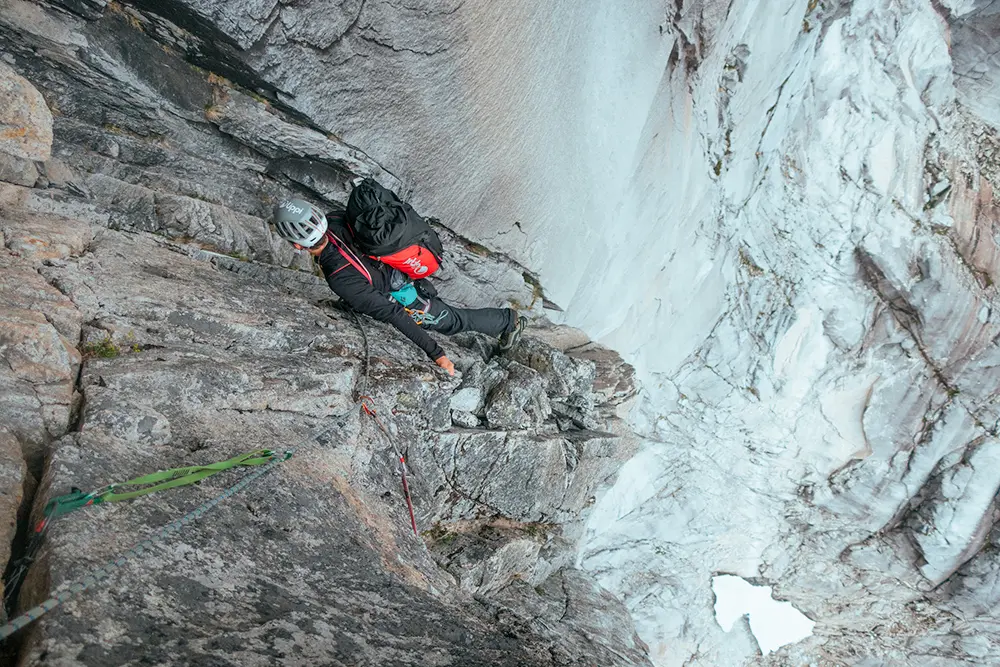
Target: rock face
x=196, y=364
x=12, y=481
x=975, y=31
x=25, y=128
x=782, y=213
x=150, y=320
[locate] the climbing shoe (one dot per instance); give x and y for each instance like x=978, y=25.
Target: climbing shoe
x=509, y=339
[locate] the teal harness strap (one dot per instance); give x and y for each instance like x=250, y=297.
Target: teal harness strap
x=405, y=295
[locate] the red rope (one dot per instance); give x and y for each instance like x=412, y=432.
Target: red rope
x=370, y=411
x=406, y=491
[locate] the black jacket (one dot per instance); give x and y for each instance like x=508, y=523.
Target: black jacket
x=364, y=284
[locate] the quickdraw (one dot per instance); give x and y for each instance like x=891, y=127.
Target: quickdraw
x=370, y=411
x=423, y=317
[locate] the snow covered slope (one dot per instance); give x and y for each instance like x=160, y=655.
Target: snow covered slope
x=813, y=269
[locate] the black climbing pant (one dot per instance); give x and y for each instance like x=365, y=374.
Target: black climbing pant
x=434, y=314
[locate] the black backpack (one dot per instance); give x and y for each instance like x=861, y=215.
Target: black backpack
x=390, y=231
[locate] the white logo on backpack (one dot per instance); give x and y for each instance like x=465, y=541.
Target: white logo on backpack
x=417, y=267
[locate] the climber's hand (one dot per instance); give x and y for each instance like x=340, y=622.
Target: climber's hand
x=445, y=363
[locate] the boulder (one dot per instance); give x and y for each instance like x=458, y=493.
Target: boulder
x=468, y=399
x=25, y=128
x=564, y=376
x=582, y=617
x=464, y=419
x=525, y=476
x=25, y=119
x=41, y=237
x=39, y=328
x=519, y=400
x=488, y=559
x=17, y=170
x=614, y=379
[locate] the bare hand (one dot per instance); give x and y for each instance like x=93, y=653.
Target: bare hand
x=445, y=363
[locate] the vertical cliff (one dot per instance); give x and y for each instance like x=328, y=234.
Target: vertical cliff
x=150, y=320
x=781, y=213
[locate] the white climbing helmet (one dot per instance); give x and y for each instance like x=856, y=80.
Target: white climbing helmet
x=299, y=222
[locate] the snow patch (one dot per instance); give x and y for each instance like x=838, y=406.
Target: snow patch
x=774, y=624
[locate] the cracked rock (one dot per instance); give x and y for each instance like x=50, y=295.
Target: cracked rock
x=518, y=401
x=12, y=479
x=464, y=419
x=564, y=376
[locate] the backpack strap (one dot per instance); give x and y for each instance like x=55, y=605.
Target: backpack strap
x=348, y=255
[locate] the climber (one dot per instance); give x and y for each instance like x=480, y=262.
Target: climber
x=383, y=292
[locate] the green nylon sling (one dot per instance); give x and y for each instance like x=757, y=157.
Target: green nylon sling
x=157, y=481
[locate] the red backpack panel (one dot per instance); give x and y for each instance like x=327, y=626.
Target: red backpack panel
x=415, y=261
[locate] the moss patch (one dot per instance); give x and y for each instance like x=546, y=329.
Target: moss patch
x=536, y=288
x=104, y=349
x=477, y=249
